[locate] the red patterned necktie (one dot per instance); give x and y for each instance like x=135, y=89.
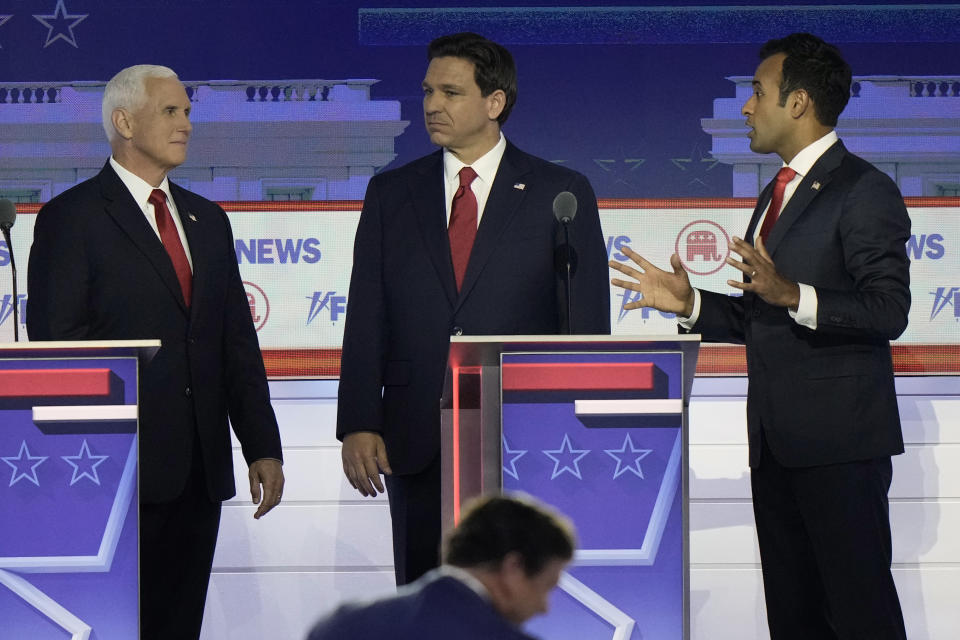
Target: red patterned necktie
x=785, y=175
x=171, y=242
x=463, y=224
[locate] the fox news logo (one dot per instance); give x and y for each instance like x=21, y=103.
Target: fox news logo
x=277, y=250
x=259, y=304
x=929, y=246
x=326, y=302
x=945, y=297
x=627, y=296
x=615, y=245
x=6, y=308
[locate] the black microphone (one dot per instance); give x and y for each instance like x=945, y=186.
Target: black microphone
x=565, y=210
x=8, y=215
x=565, y=207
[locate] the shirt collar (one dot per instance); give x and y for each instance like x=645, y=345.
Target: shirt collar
x=139, y=188
x=808, y=156
x=485, y=166
x=464, y=576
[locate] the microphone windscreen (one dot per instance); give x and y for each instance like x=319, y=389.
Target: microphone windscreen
x=8, y=213
x=565, y=206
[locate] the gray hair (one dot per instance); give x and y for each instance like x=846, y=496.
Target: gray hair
x=128, y=90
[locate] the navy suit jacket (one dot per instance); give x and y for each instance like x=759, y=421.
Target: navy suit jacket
x=403, y=304
x=435, y=607
x=99, y=272
x=826, y=396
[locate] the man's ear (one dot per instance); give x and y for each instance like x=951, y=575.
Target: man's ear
x=511, y=568
x=799, y=103
x=496, y=102
x=122, y=123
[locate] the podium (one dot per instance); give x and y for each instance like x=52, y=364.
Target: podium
x=595, y=426
x=68, y=488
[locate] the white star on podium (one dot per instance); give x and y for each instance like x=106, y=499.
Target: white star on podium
x=88, y=462
x=637, y=454
x=517, y=454
x=18, y=465
x=567, y=451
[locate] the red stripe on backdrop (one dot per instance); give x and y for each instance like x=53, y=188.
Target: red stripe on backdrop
x=714, y=360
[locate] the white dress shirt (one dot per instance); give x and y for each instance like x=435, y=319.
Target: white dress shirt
x=486, y=167
x=140, y=189
x=806, y=313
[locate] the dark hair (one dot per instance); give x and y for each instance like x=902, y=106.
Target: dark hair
x=816, y=67
x=494, y=526
x=493, y=66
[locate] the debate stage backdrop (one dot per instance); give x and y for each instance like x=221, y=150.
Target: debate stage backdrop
x=297, y=104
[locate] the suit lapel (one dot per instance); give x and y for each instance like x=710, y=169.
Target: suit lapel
x=502, y=206
x=128, y=215
x=426, y=193
x=809, y=188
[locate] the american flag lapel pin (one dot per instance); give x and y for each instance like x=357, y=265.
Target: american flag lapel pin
x=520, y=186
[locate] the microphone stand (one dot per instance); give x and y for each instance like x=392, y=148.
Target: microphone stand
x=566, y=240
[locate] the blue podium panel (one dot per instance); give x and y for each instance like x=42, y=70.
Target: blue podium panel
x=68, y=495
x=600, y=436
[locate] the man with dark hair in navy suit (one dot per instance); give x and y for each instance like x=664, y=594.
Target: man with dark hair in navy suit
x=461, y=242
x=500, y=565
x=826, y=286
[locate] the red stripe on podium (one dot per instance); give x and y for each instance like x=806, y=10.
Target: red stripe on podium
x=576, y=376
x=52, y=383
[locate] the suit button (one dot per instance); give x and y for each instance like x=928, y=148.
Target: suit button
x=188, y=392
x=756, y=312
x=192, y=340
x=457, y=331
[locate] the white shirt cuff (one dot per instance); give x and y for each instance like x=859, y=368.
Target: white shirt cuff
x=687, y=323
x=806, y=313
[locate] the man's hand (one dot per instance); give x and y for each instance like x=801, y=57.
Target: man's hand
x=364, y=459
x=268, y=473
x=764, y=280
x=661, y=290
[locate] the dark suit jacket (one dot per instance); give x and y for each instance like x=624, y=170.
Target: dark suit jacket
x=435, y=607
x=99, y=272
x=826, y=396
x=403, y=304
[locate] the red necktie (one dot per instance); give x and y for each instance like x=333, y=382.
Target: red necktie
x=785, y=175
x=171, y=242
x=463, y=224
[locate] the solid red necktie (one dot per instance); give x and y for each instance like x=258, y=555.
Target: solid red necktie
x=785, y=175
x=171, y=242
x=462, y=229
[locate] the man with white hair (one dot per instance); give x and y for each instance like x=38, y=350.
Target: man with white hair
x=130, y=255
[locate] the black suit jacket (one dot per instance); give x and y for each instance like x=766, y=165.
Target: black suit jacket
x=436, y=607
x=99, y=272
x=826, y=396
x=403, y=304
